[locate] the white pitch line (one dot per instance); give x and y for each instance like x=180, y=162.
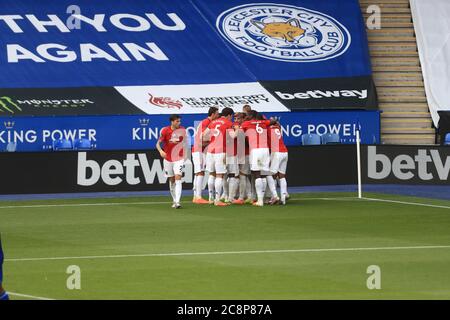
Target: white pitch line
x=27, y=296
x=135, y=203
x=407, y=203
x=185, y=254
x=83, y=204
x=167, y=202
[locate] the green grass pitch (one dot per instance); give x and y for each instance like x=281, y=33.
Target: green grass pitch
x=140, y=248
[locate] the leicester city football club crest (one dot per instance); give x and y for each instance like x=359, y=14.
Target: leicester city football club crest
x=284, y=32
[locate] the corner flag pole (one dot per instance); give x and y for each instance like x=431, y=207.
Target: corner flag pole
x=358, y=158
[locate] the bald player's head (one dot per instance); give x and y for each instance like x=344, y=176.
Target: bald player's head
x=246, y=109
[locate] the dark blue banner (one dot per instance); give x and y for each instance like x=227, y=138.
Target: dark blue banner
x=83, y=43
x=136, y=132
x=293, y=39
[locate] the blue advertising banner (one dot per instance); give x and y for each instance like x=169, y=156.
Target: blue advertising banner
x=69, y=43
x=140, y=132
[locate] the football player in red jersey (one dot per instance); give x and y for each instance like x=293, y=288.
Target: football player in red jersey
x=243, y=160
x=216, y=153
x=256, y=131
x=199, y=155
x=232, y=165
x=173, y=138
x=278, y=164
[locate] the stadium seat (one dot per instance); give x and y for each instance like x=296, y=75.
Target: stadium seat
x=447, y=139
x=83, y=144
x=62, y=145
x=331, y=138
x=310, y=139
x=11, y=147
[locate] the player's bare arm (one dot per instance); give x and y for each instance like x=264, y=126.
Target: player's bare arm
x=160, y=150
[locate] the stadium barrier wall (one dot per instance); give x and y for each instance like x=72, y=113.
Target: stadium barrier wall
x=107, y=171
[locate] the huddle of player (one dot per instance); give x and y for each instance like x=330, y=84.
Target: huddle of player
x=244, y=158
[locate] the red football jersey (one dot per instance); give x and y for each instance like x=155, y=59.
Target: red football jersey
x=172, y=143
x=218, y=132
x=276, y=142
x=256, y=132
x=198, y=140
x=232, y=144
x=241, y=142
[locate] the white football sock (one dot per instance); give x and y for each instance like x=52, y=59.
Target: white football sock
x=260, y=185
x=198, y=186
x=218, y=186
x=272, y=186
x=253, y=185
x=242, y=187
x=194, y=186
x=249, y=188
x=172, y=189
x=211, y=184
x=225, y=187
x=178, y=190
x=283, y=188
x=233, y=185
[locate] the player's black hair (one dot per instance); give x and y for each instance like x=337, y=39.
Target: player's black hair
x=247, y=107
x=212, y=110
x=259, y=116
x=174, y=117
x=227, y=112
x=252, y=114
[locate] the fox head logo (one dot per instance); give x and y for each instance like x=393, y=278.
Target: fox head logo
x=284, y=32
x=288, y=31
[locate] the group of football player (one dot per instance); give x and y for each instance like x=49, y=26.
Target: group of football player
x=243, y=153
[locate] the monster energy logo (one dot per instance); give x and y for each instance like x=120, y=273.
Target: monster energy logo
x=8, y=105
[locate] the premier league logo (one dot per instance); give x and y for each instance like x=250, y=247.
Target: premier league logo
x=284, y=33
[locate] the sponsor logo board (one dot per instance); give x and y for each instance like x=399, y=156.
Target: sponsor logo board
x=416, y=164
x=63, y=101
x=327, y=93
x=194, y=99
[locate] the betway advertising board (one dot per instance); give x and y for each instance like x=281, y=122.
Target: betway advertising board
x=157, y=57
x=408, y=165
x=140, y=132
x=138, y=170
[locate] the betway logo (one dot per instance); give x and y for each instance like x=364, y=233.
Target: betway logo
x=114, y=172
x=405, y=167
x=318, y=94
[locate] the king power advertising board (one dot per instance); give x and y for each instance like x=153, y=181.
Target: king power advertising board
x=140, y=132
x=159, y=57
